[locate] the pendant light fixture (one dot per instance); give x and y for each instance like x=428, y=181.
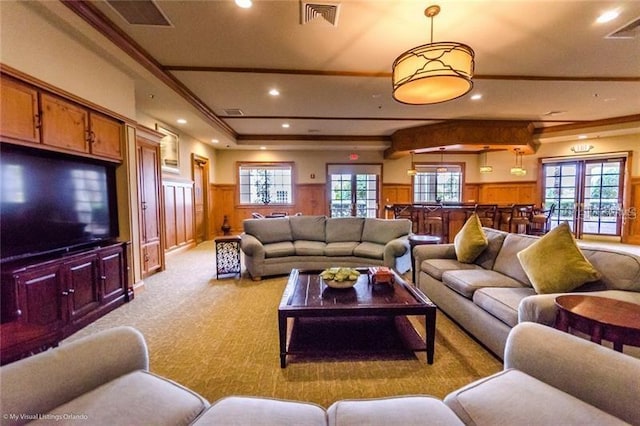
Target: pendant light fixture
x=412, y=171
x=518, y=170
x=484, y=168
x=441, y=168
x=434, y=72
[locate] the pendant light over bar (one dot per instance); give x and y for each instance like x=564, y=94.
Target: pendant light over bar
x=441, y=168
x=518, y=170
x=434, y=72
x=484, y=168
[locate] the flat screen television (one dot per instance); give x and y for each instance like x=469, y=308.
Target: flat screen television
x=51, y=202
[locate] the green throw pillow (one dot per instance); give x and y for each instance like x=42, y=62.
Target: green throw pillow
x=555, y=264
x=470, y=241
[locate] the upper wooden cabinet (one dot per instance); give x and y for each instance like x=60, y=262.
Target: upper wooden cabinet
x=19, y=118
x=34, y=116
x=64, y=125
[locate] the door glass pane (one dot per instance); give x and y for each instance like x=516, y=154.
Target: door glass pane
x=560, y=189
x=366, y=195
x=341, y=194
x=602, y=197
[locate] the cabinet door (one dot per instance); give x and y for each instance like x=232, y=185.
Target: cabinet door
x=112, y=274
x=83, y=284
x=40, y=299
x=64, y=124
x=19, y=111
x=106, y=136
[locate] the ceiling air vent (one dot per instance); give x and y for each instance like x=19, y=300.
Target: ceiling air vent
x=631, y=30
x=140, y=12
x=233, y=112
x=309, y=11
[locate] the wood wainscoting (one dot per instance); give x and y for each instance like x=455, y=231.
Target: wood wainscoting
x=632, y=214
x=179, y=219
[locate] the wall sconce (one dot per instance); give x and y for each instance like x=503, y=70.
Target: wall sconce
x=484, y=168
x=518, y=170
x=581, y=148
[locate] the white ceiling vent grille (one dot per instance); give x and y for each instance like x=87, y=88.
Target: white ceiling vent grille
x=310, y=11
x=631, y=30
x=140, y=12
x=234, y=112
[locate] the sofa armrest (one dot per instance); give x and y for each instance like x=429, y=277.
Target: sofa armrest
x=251, y=246
x=397, y=255
x=37, y=384
x=595, y=374
x=433, y=251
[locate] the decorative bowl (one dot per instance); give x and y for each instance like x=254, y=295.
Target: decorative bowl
x=340, y=284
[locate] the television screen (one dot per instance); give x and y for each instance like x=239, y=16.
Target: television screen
x=50, y=202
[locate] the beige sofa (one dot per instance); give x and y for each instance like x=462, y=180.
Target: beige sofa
x=550, y=377
x=493, y=294
x=275, y=246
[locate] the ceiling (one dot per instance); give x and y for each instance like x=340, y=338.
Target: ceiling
x=544, y=62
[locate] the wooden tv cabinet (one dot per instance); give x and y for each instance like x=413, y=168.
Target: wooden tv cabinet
x=46, y=300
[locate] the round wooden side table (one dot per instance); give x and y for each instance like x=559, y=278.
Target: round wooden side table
x=419, y=240
x=602, y=318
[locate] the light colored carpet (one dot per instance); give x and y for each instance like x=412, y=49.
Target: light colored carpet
x=220, y=338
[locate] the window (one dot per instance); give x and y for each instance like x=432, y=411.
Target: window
x=431, y=185
x=265, y=183
x=354, y=189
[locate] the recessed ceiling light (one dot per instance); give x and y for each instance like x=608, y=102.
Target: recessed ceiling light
x=245, y=4
x=215, y=140
x=285, y=125
x=181, y=121
x=476, y=97
x=263, y=148
x=607, y=16
x=582, y=136
x=274, y=92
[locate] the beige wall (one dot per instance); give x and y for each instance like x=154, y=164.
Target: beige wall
x=31, y=43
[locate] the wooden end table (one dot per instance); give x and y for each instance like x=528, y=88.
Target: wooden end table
x=307, y=296
x=419, y=240
x=602, y=318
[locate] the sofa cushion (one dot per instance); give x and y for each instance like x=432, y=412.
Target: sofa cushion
x=402, y=410
x=470, y=241
x=309, y=248
x=514, y=398
x=382, y=231
x=495, y=238
x=344, y=229
x=507, y=260
x=467, y=281
x=249, y=411
x=340, y=249
x=555, y=264
x=436, y=267
x=311, y=228
x=282, y=249
x=502, y=302
x=136, y=398
x=370, y=250
x=269, y=230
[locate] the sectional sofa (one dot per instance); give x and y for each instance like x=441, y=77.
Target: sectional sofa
x=275, y=246
x=494, y=293
x=549, y=377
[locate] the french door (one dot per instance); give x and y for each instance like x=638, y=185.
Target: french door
x=588, y=194
x=354, y=190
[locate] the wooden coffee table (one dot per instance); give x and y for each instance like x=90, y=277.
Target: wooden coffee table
x=602, y=318
x=307, y=296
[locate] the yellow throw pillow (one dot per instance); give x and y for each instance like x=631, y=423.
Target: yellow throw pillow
x=555, y=264
x=470, y=241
